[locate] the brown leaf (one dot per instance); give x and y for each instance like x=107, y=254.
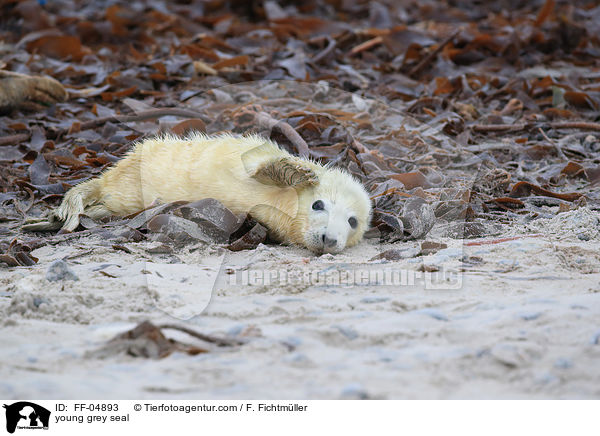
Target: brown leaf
x=197, y=52
x=412, y=180
x=580, y=99
x=553, y=113
x=67, y=161
x=511, y=203
x=443, y=86
x=401, y=38
x=231, y=62
x=524, y=189
x=431, y=247
x=250, y=240
x=110, y=96
x=573, y=169
x=59, y=46
x=544, y=12
x=189, y=126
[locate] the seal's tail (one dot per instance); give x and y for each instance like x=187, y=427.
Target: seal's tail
x=84, y=198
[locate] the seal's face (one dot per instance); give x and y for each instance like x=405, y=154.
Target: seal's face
x=330, y=226
x=338, y=213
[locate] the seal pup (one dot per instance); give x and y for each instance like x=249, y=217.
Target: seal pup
x=300, y=201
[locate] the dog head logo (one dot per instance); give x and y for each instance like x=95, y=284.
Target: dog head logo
x=26, y=415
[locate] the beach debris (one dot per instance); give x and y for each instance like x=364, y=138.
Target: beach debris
x=354, y=391
x=433, y=313
x=397, y=254
x=410, y=111
x=215, y=220
x=431, y=247
x=510, y=355
x=149, y=341
x=168, y=228
x=16, y=253
x=250, y=239
x=59, y=270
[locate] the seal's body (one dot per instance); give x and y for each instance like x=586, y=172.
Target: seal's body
x=300, y=201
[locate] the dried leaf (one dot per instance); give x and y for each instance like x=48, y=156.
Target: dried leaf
x=524, y=189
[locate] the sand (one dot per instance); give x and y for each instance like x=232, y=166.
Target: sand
x=513, y=318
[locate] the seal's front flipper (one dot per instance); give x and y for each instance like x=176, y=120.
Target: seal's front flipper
x=18, y=89
x=286, y=172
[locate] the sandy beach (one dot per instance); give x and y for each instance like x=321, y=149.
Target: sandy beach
x=517, y=317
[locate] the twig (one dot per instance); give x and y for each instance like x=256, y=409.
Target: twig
x=558, y=149
x=14, y=139
x=565, y=139
x=498, y=241
x=366, y=45
x=581, y=125
x=266, y=121
x=359, y=146
x=18, y=208
x=221, y=342
x=429, y=58
x=331, y=44
x=140, y=116
x=56, y=239
x=282, y=101
x=509, y=85
x=498, y=127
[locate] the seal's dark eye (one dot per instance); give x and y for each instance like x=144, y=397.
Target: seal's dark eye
x=318, y=205
x=353, y=222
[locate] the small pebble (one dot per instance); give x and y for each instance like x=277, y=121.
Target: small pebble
x=596, y=338
x=434, y=313
x=296, y=358
x=371, y=300
x=37, y=301
x=348, y=332
x=583, y=236
x=547, y=379
x=294, y=341
x=530, y=316
x=59, y=270
x=563, y=363
x=354, y=391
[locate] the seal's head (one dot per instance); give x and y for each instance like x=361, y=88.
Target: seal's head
x=337, y=212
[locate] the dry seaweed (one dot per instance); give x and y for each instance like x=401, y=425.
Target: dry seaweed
x=457, y=112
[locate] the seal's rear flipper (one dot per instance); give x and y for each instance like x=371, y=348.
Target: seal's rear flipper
x=37, y=225
x=84, y=198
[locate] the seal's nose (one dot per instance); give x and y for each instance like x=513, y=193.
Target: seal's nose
x=328, y=242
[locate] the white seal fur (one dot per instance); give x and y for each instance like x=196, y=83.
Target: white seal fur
x=300, y=201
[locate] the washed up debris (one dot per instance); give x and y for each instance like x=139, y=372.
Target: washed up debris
x=149, y=341
x=59, y=270
x=250, y=239
x=431, y=247
x=410, y=110
x=395, y=254
x=16, y=253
